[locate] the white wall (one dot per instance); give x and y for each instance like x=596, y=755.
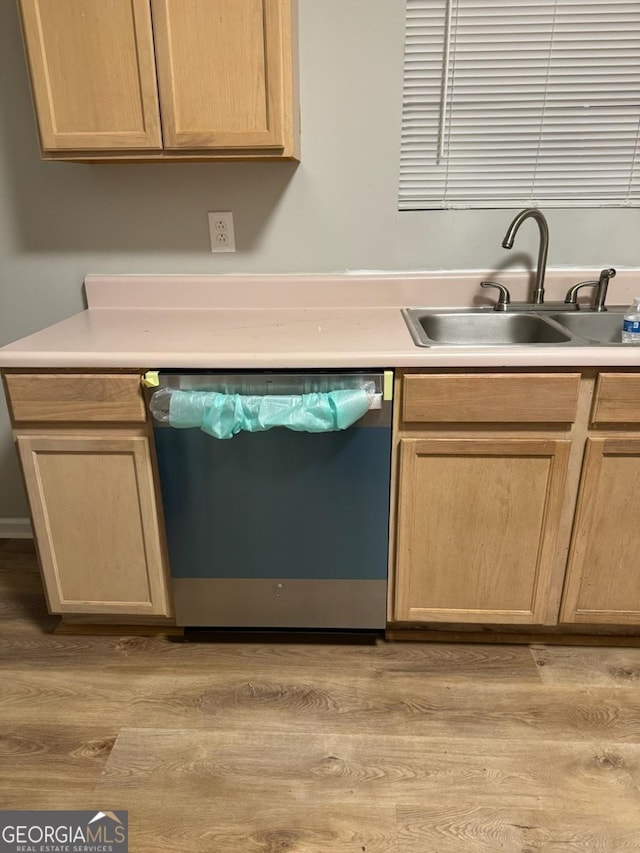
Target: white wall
x=337, y=210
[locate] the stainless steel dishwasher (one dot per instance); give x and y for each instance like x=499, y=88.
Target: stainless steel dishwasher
x=279, y=529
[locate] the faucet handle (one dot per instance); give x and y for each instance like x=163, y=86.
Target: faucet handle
x=602, y=283
x=572, y=294
x=503, y=299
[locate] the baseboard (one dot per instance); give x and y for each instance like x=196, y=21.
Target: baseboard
x=15, y=528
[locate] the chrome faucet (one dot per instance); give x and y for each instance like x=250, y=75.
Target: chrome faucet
x=507, y=243
x=504, y=302
x=602, y=285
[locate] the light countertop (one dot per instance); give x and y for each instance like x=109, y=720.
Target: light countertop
x=154, y=322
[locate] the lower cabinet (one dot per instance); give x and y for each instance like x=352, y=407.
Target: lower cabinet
x=95, y=519
x=603, y=575
x=512, y=491
x=517, y=498
x=477, y=527
x=84, y=443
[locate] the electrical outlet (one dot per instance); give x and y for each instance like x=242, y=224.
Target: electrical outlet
x=223, y=238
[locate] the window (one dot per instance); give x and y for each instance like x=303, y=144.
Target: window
x=509, y=103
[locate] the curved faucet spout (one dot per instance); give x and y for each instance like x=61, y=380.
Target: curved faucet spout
x=507, y=243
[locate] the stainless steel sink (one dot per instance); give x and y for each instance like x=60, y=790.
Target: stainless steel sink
x=482, y=327
x=485, y=327
x=604, y=328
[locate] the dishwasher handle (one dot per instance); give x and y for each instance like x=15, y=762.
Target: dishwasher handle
x=223, y=415
x=160, y=401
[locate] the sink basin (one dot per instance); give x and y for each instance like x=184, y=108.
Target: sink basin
x=605, y=328
x=481, y=328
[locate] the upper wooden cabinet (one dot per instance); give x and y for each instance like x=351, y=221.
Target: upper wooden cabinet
x=217, y=84
x=93, y=74
x=220, y=72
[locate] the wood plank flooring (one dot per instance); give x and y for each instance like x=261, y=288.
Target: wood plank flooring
x=256, y=747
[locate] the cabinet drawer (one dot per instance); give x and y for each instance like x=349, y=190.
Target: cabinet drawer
x=490, y=398
x=75, y=397
x=617, y=399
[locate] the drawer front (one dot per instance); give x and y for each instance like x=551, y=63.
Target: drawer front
x=617, y=399
x=490, y=398
x=75, y=397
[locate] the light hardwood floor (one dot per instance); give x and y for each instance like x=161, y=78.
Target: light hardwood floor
x=232, y=747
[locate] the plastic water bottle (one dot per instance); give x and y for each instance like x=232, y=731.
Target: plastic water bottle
x=631, y=323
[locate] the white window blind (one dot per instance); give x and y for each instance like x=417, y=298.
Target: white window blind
x=509, y=103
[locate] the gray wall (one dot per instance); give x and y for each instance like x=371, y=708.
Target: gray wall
x=336, y=211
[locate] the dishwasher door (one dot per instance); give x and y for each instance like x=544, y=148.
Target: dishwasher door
x=279, y=528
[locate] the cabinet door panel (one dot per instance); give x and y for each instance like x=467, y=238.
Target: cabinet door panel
x=95, y=520
x=221, y=72
x=603, y=578
x=477, y=528
x=93, y=73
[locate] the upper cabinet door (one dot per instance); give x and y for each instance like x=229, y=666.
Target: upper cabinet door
x=223, y=68
x=93, y=73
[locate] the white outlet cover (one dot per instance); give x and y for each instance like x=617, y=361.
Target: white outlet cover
x=221, y=231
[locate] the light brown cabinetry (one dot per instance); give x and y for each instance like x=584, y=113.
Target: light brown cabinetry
x=89, y=472
x=603, y=575
x=617, y=401
x=162, y=79
x=221, y=71
x=603, y=572
x=511, y=398
x=93, y=74
x=482, y=465
x=477, y=528
x=95, y=520
x=75, y=397
x=515, y=499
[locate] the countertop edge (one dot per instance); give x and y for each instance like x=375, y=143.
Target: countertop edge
x=442, y=357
